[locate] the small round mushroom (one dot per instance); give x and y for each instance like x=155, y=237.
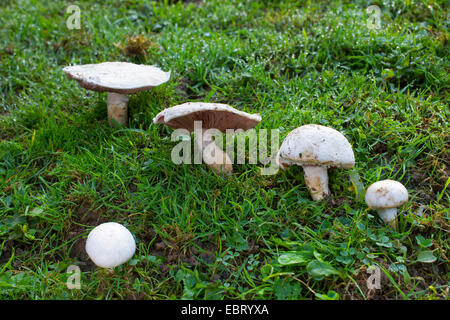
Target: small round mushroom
x=212, y=116
x=316, y=148
x=386, y=196
x=118, y=79
x=110, y=244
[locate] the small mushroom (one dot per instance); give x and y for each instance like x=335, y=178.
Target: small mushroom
x=386, y=196
x=212, y=116
x=316, y=148
x=118, y=79
x=110, y=244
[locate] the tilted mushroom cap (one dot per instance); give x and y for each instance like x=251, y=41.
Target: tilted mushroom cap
x=213, y=115
x=117, y=77
x=316, y=145
x=386, y=194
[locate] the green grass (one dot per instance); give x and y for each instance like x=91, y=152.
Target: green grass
x=200, y=235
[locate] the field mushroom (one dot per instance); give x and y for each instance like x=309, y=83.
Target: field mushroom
x=212, y=116
x=316, y=148
x=386, y=196
x=110, y=244
x=118, y=79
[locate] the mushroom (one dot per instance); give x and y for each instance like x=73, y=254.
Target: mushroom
x=212, y=116
x=386, y=196
x=118, y=79
x=110, y=244
x=316, y=148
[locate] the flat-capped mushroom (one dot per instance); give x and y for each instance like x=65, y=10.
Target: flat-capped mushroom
x=110, y=244
x=386, y=196
x=316, y=148
x=118, y=79
x=213, y=116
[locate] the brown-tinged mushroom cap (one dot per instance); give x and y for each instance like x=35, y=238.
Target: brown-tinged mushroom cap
x=316, y=145
x=316, y=148
x=386, y=194
x=117, y=77
x=213, y=116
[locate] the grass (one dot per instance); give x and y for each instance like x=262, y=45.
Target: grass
x=200, y=235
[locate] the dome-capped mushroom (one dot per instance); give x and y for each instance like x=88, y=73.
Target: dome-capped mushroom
x=316, y=148
x=118, y=79
x=212, y=116
x=386, y=196
x=110, y=244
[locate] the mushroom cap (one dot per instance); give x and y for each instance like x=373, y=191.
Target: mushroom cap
x=316, y=145
x=213, y=115
x=386, y=194
x=118, y=77
x=110, y=244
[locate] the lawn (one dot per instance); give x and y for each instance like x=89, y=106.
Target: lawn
x=202, y=235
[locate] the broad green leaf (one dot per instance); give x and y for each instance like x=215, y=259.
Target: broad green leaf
x=300, y=257
x=319, y=270
x=287, y=289
x=331, y=295
x=426, y=257
x=345, y=259
x=238, y=242
x=424, y=243
x=36, y=212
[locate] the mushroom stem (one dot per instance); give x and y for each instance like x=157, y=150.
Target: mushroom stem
x=118, y=108
x=316, y=179
x=388, y=215
x=212, y=155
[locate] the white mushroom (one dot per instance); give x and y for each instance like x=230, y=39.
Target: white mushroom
x=386, y=196
x=118, y=79
x=212, y=116
x=110, y=245
x=316, y=148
